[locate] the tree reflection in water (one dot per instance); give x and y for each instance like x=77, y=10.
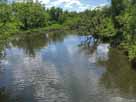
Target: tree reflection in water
x=5, y=96
x=30, y=72
x=119, y=76
x=30, y=43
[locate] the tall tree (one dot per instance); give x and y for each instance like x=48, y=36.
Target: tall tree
x=30, y=15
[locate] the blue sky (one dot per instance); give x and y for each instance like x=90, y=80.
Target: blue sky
x=75, y=5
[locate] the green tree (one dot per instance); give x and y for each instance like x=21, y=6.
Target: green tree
x=30, y=15
x=5, y=14
x=56, y=15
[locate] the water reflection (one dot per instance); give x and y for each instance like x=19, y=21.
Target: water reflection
x=52, y=68
x=119, y=76
x=3, y=45
x=5, y=96
x=30, y=43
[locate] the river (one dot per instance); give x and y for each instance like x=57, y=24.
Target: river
x=63, y=68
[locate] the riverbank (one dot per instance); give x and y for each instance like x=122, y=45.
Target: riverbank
x=5, y=37
x=109, y=24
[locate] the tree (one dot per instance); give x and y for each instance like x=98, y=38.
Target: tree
x=56, y=15
x=5, y=14
x=30, y=15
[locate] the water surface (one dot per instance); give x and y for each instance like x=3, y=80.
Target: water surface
x=60, y=68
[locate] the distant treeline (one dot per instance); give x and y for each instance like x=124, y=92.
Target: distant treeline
x=115, y=23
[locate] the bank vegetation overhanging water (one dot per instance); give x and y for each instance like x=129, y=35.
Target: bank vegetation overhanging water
x=114, y=23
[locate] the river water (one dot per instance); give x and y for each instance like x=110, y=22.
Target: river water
x=63, y=68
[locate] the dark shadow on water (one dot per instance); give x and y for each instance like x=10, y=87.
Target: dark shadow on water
x=119, y=75
x=134, y=64
x=5, y=95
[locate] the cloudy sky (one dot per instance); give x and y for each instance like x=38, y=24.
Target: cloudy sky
x=74, y=5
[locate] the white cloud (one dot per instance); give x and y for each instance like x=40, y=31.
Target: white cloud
x=99, y=6
x=71, y=5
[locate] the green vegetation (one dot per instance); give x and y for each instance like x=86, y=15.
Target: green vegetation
x=114, y=23
x=29, y=15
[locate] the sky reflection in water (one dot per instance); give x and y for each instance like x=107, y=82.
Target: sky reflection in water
x=63, y=71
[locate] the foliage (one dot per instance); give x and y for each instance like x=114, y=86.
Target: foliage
x=132, y=52
x=56, y=15
x=54, y=27
x=5, y=16
x=115, y=23
x=29, y=15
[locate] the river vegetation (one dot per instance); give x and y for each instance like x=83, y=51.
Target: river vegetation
x=114, y=23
